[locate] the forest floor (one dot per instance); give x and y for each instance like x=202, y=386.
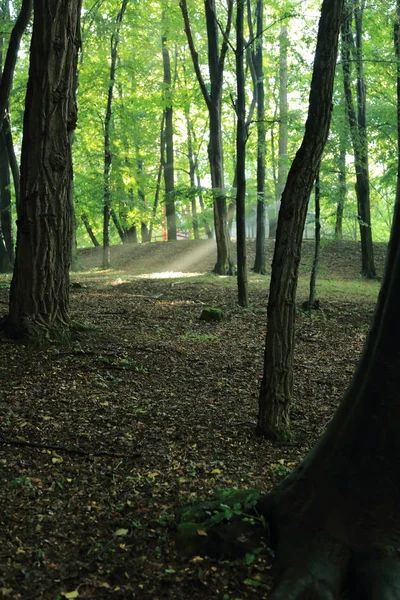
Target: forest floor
x=102, y=443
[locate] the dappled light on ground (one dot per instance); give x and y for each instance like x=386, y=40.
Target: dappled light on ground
x=169, y=275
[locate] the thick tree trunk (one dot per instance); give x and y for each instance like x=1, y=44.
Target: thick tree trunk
x=169, y=145
x=243, y=294
x=260, y=258
x=358, y=131
x=277, y=383
x=89, y=230
x=39, y=294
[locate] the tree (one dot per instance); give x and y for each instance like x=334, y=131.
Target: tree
x=169, y=136
x=243, y=295
x=335, y=518
x=358, y=127
x=7, y=154
x=213, y=97
x=257, y=55
x=277, y=382
x=107, y=148
x=39, y=294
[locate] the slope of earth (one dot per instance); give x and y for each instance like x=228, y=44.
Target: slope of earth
x=103, y=442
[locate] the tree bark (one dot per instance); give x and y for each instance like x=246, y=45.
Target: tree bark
x=358, y=130
x=277, y=382
x=243, y=294
x=39, y=294
x=107, y=143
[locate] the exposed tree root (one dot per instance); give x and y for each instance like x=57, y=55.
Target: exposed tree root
x=309, y=565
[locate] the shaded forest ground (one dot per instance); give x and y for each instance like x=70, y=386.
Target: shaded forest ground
x=151, y=410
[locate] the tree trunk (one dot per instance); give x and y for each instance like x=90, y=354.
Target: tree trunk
x=169, y=144
x=192, y=175
x=317, y=244
x=12, y=54
x=342, y=187
x=208, y=230
x=12, y=159
x=336, y=516
x=212, y=97
x=118, y=227
x=243, y=294
x=358, y=131
x=224, y=265
x=5, y=201
x=107, y=146
x=39, y=295
x=145, y=232
x=283, y=113
x=259, y=261
x=90, y=231
x=277, y=383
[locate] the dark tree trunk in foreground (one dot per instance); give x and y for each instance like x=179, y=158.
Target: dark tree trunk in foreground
x=358, y=129
x=243, y=294
x=39, y=295
x=259, y=261
x=277, y=383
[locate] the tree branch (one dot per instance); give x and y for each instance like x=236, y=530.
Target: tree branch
x=12, y=55
x=193, y=52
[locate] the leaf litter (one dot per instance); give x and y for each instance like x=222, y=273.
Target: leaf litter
x=103, y=442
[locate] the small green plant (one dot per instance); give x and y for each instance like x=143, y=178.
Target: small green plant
x=199, y=337
x=23, y=481
x=281, y=469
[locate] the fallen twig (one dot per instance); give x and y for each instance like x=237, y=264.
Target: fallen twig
x=79, y=451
